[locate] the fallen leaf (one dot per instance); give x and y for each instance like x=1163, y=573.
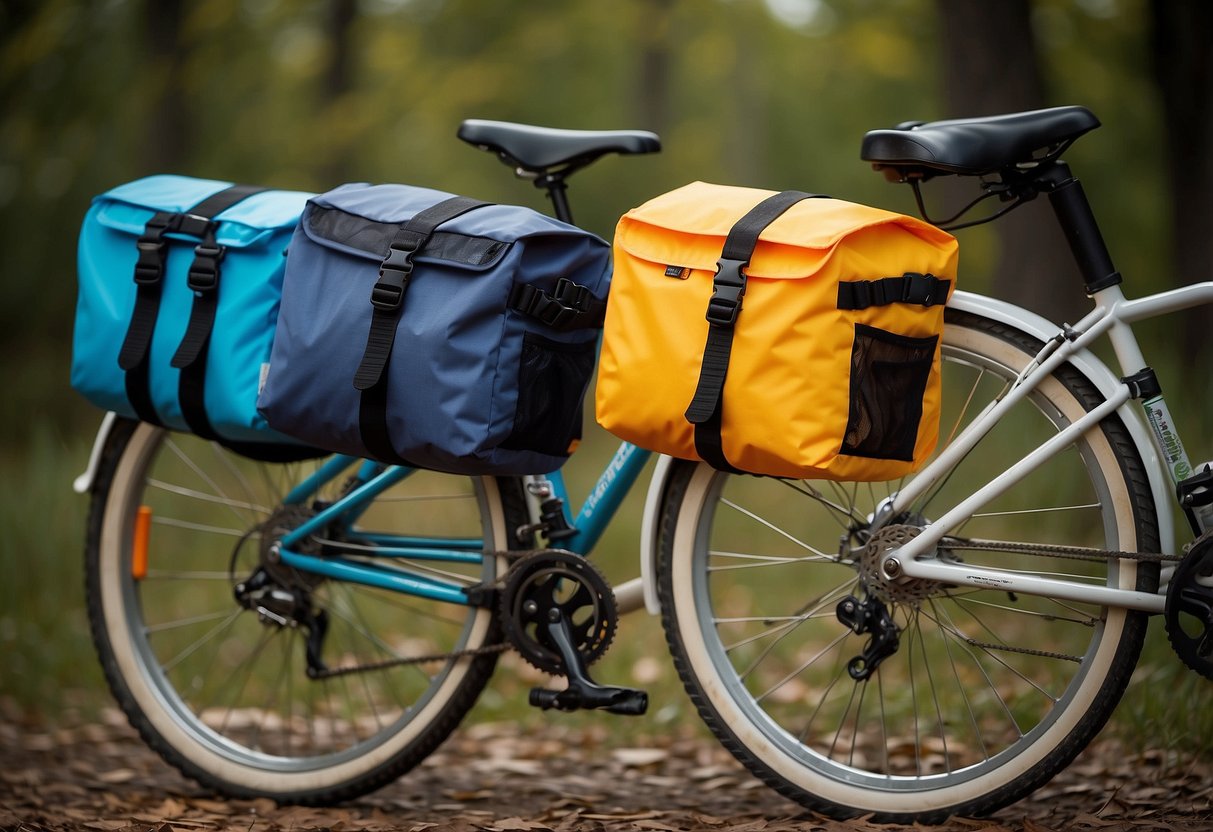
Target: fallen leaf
x=639, y=756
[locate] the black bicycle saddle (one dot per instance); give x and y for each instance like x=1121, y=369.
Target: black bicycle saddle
x=975, y=146
x=540, y=148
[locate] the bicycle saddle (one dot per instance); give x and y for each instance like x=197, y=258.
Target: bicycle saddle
x=539, y=148
x=974, y=146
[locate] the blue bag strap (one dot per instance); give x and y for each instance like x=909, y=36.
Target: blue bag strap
x=706, y=409
x=135, y=355
x=387, y=301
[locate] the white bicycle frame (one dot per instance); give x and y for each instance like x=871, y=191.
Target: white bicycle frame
x=1113, y=316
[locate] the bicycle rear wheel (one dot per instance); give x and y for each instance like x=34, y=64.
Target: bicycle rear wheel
x=221, y=690
x=983, y=695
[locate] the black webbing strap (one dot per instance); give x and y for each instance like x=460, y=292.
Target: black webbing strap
x=571, y=306
x=705, y=410
x=135, y=356
x=136, y=347
x=387, y=300
x=911, y=287
x=203, y=281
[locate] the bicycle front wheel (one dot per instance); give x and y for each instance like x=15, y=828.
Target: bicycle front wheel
x=978, y=696
x=226, y=689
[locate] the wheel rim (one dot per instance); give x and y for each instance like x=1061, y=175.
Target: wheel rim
x=779, y=679
x=229, y=691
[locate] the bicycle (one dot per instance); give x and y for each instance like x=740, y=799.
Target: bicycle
x=934, y=646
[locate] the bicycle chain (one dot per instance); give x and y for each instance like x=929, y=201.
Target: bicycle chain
x=511, y=555
x=1044, y=550
x=1027, y=651
x=486, y=650
x=1070, y=552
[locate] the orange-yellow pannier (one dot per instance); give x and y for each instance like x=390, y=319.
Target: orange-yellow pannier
x=776, y=333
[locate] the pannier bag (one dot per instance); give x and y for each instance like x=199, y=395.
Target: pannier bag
x=179, y=285
x=436, y=331
x=776, y=333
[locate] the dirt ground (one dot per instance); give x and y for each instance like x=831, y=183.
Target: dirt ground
x=496, y=778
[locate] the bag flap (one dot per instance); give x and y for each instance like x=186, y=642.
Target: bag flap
x=688, y=226
x=350, y=233
x=127, y=208
x=396, y=204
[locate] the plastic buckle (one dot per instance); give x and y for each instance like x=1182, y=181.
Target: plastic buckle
x=572, y=294
x=399, y=258
x=917, y=288
x=203, y=275
x=728, y=290
x=552, y=312
x=388, y=293
x=149, y=268
x=394, y=274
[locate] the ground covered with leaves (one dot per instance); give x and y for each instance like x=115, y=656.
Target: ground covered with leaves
x=499, y=778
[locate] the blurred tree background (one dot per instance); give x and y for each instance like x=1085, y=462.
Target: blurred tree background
x=306, y=94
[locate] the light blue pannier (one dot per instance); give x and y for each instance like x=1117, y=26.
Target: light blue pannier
x=179, y=285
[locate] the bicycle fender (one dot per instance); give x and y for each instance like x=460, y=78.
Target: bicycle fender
x=84, y=483
x=650, y=529
x=1105, y=381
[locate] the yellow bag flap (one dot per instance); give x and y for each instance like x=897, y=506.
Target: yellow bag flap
x=688, y=226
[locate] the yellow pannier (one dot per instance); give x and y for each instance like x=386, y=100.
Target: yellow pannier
x=776, y=333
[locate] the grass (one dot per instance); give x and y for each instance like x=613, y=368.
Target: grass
x=47, y=653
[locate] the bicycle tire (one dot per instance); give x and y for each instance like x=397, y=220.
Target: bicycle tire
x=987, y=695
x=221, y=693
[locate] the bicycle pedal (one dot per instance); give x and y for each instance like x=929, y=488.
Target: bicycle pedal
x=578, y=697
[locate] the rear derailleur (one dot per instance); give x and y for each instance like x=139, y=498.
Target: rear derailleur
x=283, y=605
x=869, y=616
x=559, y=613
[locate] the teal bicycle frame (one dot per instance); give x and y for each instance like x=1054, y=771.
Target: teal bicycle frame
x=371, y=479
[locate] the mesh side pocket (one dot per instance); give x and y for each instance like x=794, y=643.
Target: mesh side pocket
x=889, y=375
x=551, y=386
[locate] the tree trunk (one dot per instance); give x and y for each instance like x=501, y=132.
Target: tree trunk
x=167, y=140
x=338, y=80
x=991, y=66
x=1182, y=50
x=653, y=81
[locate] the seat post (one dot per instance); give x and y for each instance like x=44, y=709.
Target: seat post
x=1077, y=220
x=558, y=191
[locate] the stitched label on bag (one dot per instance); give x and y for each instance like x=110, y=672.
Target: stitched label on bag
x=678, y=272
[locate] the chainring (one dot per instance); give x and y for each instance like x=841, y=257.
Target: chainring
x=544, y=581
x=1189, y=610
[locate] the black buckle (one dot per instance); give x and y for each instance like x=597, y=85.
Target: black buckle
x=552, y=312
x=203, y=275
x=388, y=293
x=394, y=274
x=728, y=290
x=149, y=268
x=573, y=295
x=918, y=288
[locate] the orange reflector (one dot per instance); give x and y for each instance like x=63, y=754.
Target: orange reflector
x=143, y=528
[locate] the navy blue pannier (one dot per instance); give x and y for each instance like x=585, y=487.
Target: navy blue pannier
x=424, y=329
